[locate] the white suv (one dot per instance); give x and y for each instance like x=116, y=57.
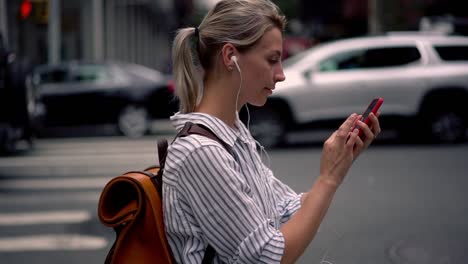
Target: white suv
x=423, y=79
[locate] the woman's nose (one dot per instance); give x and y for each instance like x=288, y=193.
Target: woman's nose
x=279, y=75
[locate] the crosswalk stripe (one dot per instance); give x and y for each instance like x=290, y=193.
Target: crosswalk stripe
x=49, y=198
x=52, y=242
x=79, y=160
x=56, y=184
x=44, y=217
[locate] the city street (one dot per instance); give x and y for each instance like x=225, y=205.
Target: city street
x=399, y=204
x=88, y=87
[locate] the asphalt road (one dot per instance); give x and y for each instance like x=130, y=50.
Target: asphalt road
x=399, y=203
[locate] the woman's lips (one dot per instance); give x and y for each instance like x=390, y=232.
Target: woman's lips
x=270, y=90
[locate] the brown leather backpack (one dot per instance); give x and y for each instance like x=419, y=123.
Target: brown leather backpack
x=132, y=205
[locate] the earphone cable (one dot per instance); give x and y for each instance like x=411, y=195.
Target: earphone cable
x=262, y=148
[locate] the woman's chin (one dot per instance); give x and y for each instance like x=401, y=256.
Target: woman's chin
x=259, y=103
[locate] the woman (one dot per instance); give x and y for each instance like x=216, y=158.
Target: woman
x=229, y=199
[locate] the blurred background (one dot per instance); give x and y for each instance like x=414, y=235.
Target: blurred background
x=49, y=31
x=86, y=90
x=59, y=54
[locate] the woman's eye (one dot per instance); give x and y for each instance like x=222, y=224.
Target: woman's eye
x=274, y=60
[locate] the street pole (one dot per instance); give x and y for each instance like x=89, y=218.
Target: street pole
x=374, y=17
x=54, y=32
x=4, y=21
x=98, y=21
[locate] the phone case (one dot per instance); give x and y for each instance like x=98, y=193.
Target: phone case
x=373, y=107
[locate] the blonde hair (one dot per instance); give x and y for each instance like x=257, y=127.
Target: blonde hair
x=239, y=22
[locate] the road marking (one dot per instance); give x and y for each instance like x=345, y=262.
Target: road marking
x=55, y=184
x=47, y=198
x=84, y=160
x=45, y=217
x=52, y=242
x=65, y=165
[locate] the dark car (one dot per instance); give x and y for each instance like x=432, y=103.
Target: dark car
x=17, y=102
x=128, y=95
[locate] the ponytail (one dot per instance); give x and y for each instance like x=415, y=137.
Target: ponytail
x=186, y=70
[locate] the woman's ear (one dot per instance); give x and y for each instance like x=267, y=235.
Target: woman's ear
x=227, y=51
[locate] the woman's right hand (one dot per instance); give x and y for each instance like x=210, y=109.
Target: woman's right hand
x=337, y=154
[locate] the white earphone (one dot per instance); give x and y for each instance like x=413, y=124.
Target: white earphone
x=234, y=59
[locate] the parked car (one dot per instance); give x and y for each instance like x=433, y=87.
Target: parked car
x=422, y=77
x=127, y=95
x=17, y=102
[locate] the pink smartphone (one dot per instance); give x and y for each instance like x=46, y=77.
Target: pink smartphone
x=372, y=108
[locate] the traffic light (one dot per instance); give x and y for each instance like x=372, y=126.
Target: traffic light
x=25, y=9
x=35, y=10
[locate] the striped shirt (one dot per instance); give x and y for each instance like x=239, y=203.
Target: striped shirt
x=230, y=201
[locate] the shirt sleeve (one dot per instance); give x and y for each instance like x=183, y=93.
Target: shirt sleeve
x=289, y=202
x=228, y=217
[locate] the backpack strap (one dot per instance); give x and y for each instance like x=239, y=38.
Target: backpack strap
x=189, y=129
x=199, y=129
x=162, y=151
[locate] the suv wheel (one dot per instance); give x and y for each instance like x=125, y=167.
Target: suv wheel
x=448, y=127
x=133, y=121
x=267, y=127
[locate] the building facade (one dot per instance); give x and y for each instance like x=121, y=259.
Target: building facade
x=50, y=31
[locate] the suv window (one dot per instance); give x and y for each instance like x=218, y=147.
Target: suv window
x=371, y=58
x=453, y=53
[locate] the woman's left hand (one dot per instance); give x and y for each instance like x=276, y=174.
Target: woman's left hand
x=369, y=134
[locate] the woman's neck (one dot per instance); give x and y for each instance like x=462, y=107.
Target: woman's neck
x=219, y=100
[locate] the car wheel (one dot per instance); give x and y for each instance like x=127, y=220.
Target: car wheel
x=267, y=127
x=133, y=121
x=448, y=127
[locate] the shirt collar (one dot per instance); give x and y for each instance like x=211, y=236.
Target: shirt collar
x=227, y=134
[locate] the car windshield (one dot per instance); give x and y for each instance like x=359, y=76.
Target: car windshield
x=143, y=72
x=58, y=75
x=294, y=59
x=90, y=73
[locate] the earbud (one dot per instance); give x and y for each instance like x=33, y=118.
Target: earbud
x=234, y=59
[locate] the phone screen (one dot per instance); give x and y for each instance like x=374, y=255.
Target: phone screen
x=369, y=109
x=373, y=107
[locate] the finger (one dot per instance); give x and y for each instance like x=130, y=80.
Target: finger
x=352, y=138
x=375, y=124
x=368, y=134
x=358, y=146
x=359, y=117
x=343, y=131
